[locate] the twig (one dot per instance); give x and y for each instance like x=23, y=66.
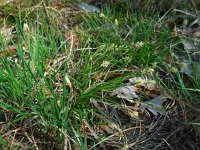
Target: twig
x=112, y=136
x=184, y=12
x=164, y=15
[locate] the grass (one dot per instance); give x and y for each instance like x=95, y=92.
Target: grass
x=185, y=83
x=53, y=90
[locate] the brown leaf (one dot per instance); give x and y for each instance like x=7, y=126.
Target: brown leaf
x=8, y=52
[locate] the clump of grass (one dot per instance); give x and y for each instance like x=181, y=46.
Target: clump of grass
x=133, y=39
x=51, y=85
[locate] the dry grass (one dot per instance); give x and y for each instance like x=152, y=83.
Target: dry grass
x=65, y=100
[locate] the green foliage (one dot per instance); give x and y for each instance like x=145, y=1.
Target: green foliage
x=36, y=86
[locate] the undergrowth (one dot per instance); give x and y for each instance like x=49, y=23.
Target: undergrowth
x=49, y=89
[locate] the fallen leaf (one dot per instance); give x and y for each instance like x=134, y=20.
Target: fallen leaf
x=125, y=92
x=189, y=68
x=88, y=8
x=191, y=46
x=8, y=52
x=192, y=32
x=136, y=85
x=155, y=105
